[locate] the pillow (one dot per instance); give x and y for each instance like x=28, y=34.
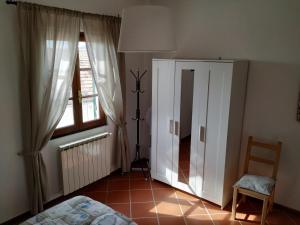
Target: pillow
x=260, y=184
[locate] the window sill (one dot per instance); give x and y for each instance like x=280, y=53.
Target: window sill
x=58, y=141
x=73, y=130
x=83, y=141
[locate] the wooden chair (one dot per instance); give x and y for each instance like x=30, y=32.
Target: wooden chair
x=240, y=189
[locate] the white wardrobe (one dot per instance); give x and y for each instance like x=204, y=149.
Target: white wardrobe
x=197, y=117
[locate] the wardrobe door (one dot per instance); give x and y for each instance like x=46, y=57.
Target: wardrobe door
x=217, y=129
x=162, y=119
x=191, y=87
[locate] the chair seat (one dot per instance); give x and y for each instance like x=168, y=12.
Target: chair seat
x=259, y=184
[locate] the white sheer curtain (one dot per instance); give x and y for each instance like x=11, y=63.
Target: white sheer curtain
x=100, y=33
x=49, y=38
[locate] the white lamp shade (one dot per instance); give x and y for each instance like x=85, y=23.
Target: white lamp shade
x=147, y=28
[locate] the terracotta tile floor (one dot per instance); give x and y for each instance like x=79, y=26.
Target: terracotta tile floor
x=155, y=203
x=184, y=159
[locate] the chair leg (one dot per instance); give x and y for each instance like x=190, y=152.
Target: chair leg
x=271, y=201
x=264, y=211
x=235, y=193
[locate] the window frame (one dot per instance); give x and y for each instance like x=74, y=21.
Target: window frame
x=79, y=125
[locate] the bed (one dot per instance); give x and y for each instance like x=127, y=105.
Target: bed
x=79, y=210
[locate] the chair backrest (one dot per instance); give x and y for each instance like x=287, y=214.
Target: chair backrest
x=276, y=148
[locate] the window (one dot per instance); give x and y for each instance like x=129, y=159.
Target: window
x=83, y=111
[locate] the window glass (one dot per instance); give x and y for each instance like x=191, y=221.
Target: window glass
x=68, y=117
x=83, y=110
x=87, y=84
x=83, y=56
x=90, y=109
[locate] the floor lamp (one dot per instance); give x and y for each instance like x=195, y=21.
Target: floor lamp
x=145, y=29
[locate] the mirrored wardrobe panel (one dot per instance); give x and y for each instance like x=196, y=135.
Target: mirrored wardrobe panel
x=186, y=112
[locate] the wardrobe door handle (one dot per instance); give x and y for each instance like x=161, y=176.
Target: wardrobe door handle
x=176, y=128
x=171, y=126
x=202, y=134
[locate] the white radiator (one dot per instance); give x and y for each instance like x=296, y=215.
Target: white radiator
x=85, y=161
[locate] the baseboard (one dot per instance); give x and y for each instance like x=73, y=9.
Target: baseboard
x=18, y=219
x=52, y=200
x=24, y=216
x=287, y=208
x=55, y=196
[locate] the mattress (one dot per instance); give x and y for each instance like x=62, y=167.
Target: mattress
x=79, y=210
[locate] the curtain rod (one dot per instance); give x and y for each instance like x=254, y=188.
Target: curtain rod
x=14, y=2
x=11, y=2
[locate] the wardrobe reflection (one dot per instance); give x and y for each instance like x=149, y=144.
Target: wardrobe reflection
x=186, y=108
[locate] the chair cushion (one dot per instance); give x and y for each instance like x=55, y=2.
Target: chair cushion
x=260, y=184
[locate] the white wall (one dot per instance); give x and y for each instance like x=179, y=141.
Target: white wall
x=13, y=198
x=268, y=34
x=273, y=90
x=13, y=192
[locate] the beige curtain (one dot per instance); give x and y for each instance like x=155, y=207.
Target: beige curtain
x=49, y=38
x=115, y=26
x=101, y=33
